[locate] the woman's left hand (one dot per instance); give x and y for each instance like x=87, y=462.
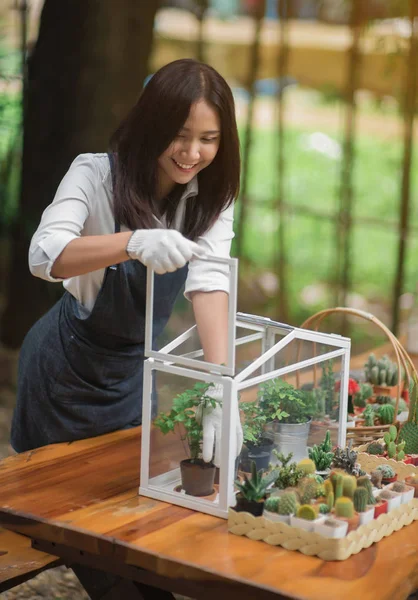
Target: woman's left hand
x=212, y=427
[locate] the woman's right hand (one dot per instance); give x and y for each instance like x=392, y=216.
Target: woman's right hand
x=163, y=250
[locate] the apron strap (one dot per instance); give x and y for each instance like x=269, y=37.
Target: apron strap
x=112, y=170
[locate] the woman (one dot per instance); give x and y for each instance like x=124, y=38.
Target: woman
x=162, y=197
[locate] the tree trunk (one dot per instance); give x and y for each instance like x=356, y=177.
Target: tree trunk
x=86, y=70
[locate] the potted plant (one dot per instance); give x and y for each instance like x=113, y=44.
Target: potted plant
x=382, y=374
x=353, y=389
x=288, y=414
x=406, y=491
x=281, y=508
x=252, y=491
x=388, y=474
x=332, y=528
x=197, y=476
x=364, y=510
x=257, y=446
x=307, y=517
x=322, y=455
x=288, y=473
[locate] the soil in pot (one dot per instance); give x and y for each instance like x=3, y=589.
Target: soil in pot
x=244, y=505
x=197, y=477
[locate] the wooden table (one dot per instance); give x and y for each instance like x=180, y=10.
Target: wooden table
x=79, y=501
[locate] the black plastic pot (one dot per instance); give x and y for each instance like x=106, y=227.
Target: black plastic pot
x=260, y=454
x=244, y=505
x=197, y=477
x=217, y=471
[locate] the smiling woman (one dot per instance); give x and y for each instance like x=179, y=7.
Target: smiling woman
x=162, y=198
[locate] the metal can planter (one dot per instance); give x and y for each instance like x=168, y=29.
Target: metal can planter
x=290, y=437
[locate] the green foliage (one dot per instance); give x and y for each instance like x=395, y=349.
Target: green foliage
x=254, y=421
x=324, y=509
x=254, y=488
x=281, y=401
x=308, y=490
x=409, y=431
x=386, y=470
x=272, y=504
x=375, y=448
x=321, y=454
x=289, y=474
x=368, y=415
x=186, y=415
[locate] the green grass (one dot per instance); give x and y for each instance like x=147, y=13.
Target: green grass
x=312, y=179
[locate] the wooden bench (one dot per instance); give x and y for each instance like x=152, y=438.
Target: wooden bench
x=19, y=561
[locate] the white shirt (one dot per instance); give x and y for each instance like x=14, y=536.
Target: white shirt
x=83, y=205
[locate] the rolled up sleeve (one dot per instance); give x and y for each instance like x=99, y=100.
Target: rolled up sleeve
x=63, y=220
x=204, y=276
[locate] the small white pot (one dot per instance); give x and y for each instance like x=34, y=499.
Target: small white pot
x=408, y=495
x=394, y=502
x=332, y=532
x=305, y=524
x=366, y=516
x=273, y=516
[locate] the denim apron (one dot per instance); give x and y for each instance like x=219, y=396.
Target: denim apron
x=82, y=377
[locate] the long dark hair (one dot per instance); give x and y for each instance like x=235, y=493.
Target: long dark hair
x=147, y=132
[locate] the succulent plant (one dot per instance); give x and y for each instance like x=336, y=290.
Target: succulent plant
x=324, y=509
x=339, y=486
x=360, y=499
x=272, y=504
x=254, y=488
x=328, y=487
x=288, y=472
x=376, y=478
x=307, y=511
x=399, y=487
x=387, y=495
x=344, y=507
x=409, y=431
x=386, y=414
x=307, y=466
x=308, y=489
x=330, y=500
x=346, y=459
x=321, y=454
x=382, y=372
x=288, y=504
x=375, y=448
x=349, y=486
x=364, y=482
x=386, y=470
x=368, y=415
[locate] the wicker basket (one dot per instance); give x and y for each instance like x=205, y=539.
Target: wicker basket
x=361, y=435
x=314, y=544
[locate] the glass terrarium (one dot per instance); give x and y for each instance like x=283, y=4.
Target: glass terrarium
x=290, y=386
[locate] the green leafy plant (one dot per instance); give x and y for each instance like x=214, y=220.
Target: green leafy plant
x=253, y=424
x=365, y=392
x=254, y=488
x=186, y=415
x=368, y=415
x=288, y=473
x=281, y=401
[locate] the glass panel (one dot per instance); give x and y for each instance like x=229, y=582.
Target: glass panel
x=176, y=446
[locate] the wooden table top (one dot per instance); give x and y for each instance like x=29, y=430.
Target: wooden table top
x=83, y=496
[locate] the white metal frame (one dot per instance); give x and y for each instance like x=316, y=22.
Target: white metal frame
x=185, y=365
x=188, y=360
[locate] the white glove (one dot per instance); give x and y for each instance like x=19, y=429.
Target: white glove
x=212, y=428
x=164, y=250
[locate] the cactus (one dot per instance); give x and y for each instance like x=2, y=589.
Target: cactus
x=272, y=504
x=391, y=449
x=288, y=504
x=339, y=487
x=386, y=414
x=330, y=501
x=399, y=487
x=394, y=450
x=307, y=466
x=409, y=431
x=344, y=507
x=368, y=416
x=360, y=499
x=306, y=511
x=374, y=375
x=375, y=448
x=346, y=460
x=308, y=490
x=324, y=509
x=387, y=495
x=328, y=487
x=365, y=483
x=349, y=486
x=382, y=372
x=386, y=470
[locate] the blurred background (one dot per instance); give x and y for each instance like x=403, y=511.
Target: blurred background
x=326, y=99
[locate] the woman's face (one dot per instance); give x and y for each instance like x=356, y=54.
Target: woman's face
x=193, y=149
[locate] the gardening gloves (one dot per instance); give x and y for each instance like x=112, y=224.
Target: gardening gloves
x=164, y=250
x=212, y=427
